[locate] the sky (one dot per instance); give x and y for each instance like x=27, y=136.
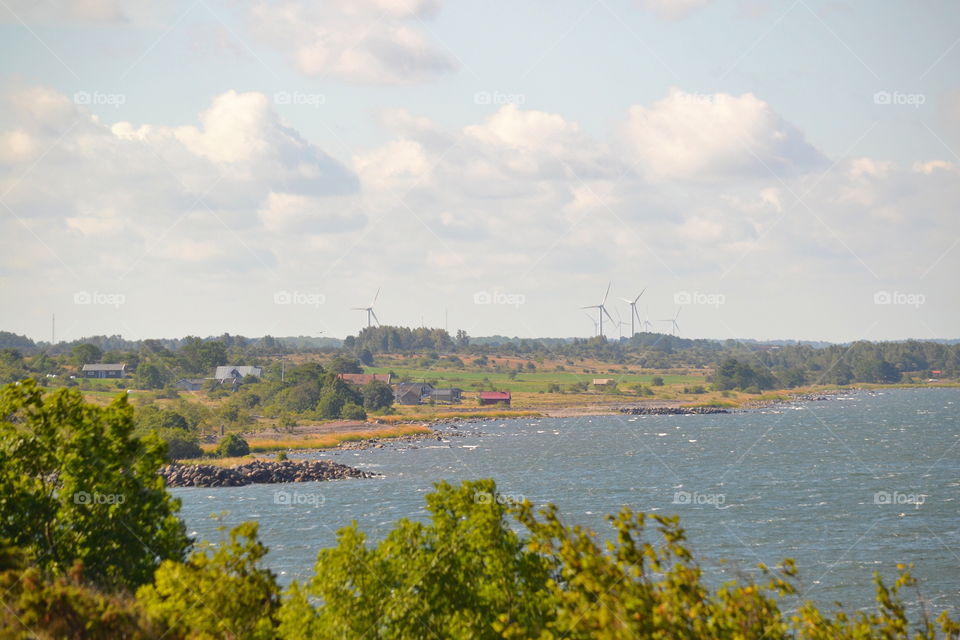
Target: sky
x=765, y=169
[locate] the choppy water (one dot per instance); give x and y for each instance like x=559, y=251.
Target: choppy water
x=846, y=486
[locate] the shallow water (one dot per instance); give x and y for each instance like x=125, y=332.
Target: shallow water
x=846, y=486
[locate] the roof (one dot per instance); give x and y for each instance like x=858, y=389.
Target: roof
x=104, y=367
x=494, y=395
x=242, y=371
x=421, y=386
x=364, y=378
x=448, y=390
x=602, y=380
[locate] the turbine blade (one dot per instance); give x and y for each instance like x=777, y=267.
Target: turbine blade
x=376, y=295
x=606, y=294
x=638, y=297
x=678, y=313
x=604, y=309
x=375, y=317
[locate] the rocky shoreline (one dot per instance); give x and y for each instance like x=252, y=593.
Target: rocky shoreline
x=380, y=443
x=670, y=411
x=258, y=472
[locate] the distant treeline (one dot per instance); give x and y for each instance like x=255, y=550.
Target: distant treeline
x=158, y=362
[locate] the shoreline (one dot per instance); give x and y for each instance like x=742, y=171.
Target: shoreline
x=437, y=432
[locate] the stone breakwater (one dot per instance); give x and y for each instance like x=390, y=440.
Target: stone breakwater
x=258, y=472
x=415, y=438
x=670, y=411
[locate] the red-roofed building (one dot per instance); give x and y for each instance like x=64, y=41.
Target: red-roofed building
x=495, y=397
x=361, y=379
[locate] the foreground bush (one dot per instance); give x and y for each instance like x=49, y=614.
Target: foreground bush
x=77, y=487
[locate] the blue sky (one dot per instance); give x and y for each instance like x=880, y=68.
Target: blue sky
x=775, y=169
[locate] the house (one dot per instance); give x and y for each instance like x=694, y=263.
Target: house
x=190, y=384
x=362, y=379
x=412, y=392
x=602, y=382
x=103, y=370
x=451, y=395
x=236, y=373
x=495, y=397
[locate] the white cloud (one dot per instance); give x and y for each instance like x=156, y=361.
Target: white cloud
x=673, y=9
x=706, y=137
x=75, y=11
x=365, y=41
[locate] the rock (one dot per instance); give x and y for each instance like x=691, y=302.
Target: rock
x=257, y=472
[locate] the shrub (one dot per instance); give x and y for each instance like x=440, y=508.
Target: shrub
x=232, y=446
x=353, y=411
x=657, y=381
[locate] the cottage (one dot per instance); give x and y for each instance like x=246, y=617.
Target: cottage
x=495, y=397
x=412, y=392
x=451, y=395
x=602, y=382
x=236, y=373
x=190, y=384
x=103, y=370
x=362, y=379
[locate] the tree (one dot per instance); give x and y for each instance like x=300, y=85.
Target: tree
x=366, y=357
x=232, y=446
x=351, y=411
x=220, y=592
x=85, y=353
x=77, y=486
x=150, y=376
x=377, y=395
x=343, y=364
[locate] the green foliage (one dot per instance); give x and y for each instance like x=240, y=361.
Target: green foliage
x=344, y=364
x=150, y=376
x=85, y=353
x=351, y=411
x=33, y=605
x=377, y=395
x=218, y=594
x=181, y=444
x=734, y=374
x=458, y=577
x=232, y=446
x=467, y=573
x=657, y=381
x=77, y=486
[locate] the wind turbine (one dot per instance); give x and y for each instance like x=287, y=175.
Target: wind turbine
x=673, y=323
x=647, y=325
x=601, y=309
x=620, y=324
x=591, y=320
x=633, y=311
x=370, y=314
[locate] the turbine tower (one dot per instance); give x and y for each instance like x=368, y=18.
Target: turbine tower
x=601, y=309
x=620, y=324
x=633, y=311
x=647, y=325
x=371, y=316
x=674, y=327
